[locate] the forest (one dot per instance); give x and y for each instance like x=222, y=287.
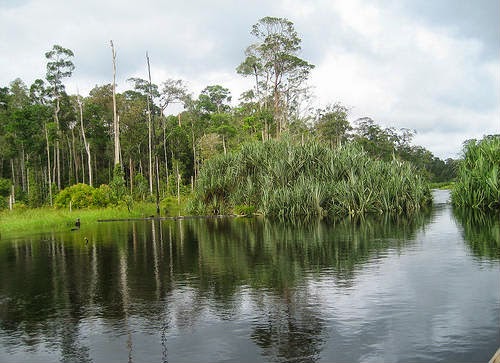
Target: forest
x=127, y=146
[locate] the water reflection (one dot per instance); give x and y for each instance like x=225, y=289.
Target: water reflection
x=209, y=290
x=481, y=231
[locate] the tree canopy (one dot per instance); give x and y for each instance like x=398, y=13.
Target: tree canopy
x=50, y=140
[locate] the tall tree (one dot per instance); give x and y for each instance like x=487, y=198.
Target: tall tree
x=84, y=136
x=280, y=74
x=153, y=137
x=116, y=125
x=332, y=124
x=150, y=92
x=59, y=66
x=214, y=99
x=172, y=91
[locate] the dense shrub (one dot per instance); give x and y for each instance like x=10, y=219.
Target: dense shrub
x=78, y=196
x=478, y=181
x=284, y=179
x=85, y=196
x=5, y=187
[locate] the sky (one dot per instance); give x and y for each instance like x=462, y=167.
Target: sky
x=432, y=66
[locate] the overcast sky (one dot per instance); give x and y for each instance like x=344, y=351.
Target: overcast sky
x=432, y=66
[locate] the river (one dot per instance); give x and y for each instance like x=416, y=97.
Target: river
x=392, y=289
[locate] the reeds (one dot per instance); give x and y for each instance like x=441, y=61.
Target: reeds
x=478, y=180
x=287, y=180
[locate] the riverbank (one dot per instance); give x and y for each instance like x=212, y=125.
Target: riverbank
x=27, y=220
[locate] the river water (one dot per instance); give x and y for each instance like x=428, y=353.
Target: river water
x=248, y=290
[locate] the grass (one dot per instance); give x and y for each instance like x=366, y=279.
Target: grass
x=478, y=180
x=448, y=185
x=26, y=220
x=285, y=179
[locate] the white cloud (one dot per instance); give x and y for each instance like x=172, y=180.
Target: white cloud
x=409, y=75
x=379, y=58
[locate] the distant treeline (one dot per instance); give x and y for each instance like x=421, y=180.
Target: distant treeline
x=50, y=140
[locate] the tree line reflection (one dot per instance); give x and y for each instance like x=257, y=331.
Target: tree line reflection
x=168, y=273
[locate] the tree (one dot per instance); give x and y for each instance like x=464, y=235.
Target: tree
x=116, y=124
x=85, y=142
x=214, y=99
x=332, y=124
x=59, y=67
x=172, y=91
x=279, y=73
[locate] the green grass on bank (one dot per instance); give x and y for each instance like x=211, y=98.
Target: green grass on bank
x=442, y=185
x=24, y=221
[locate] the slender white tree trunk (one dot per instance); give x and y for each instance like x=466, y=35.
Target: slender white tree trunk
x=116, y=128
x=48, y=165
x=85, y=143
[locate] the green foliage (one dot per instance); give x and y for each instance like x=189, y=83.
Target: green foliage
x=35, y=197
x=140, y=187
x=283, y=179
x=59, y=66
x=478, y=181
x=244, y=210
x=274, y=62
x=37, y=124
x=170, y=206
x=84, y=196
x=117, y=185
x=332, y=124
x=5, y=187
x=102, y=196
x=481, y=231
x=78, y=196
x=3, y=203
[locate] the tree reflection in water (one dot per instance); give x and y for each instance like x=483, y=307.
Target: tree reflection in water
x=481, y=231
x=170, y=276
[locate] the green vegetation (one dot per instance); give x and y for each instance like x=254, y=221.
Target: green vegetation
x=481, y=231
x=24, y=220
x=442, y=185
x=58, y=149
x=478, y=181
x=286, y=179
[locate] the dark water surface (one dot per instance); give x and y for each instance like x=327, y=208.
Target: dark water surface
x=387, y=289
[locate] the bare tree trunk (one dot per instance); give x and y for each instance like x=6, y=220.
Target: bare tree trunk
x=75, y=157
x=85, y=143
x=150, y=157
x=224, y=144
x=153, y=137
x=48, y=164
x=157, y=162
x=23, y=175
x=116, y=128
x=178, y=185
x=70, y=161
x=57, y=156
x=54, y=166
x=83, y=166
x=13, y=174
x=131, y=168
x=165, y=148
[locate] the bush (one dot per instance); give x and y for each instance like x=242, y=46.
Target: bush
x=478, y=181
x=285, y=179
x=101, y=196
x=5, y=186
x=84, y=196
x=78, y=196
x=117, y=185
